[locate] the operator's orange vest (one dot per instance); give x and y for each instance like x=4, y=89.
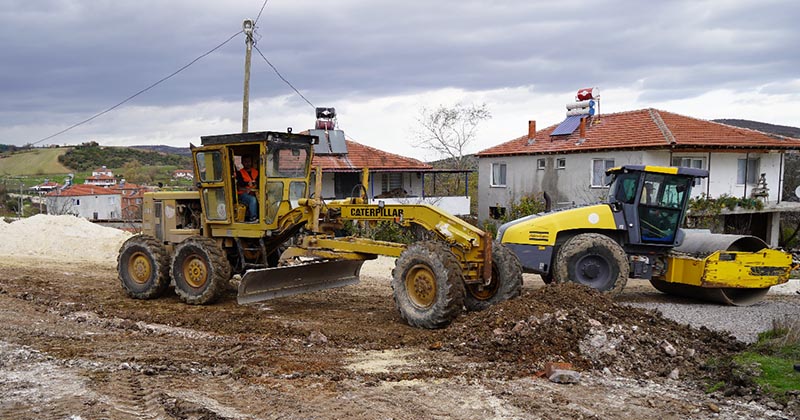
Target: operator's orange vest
x=247, y=177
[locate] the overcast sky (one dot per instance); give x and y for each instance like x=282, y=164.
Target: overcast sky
x=380, y=62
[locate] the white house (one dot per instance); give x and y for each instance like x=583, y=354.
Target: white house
x=183, y=174
x=394, y=179
x=102, y=177
x=87, y=201
x=568, y=167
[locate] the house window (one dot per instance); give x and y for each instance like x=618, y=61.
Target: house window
x=561, y=163
x=690, y=162
x=599, y=167
x=77, y=201
x=498, y=174
x=747, y=171
x=391, y=181
x=540, y=164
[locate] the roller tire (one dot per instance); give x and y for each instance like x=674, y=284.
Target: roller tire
x=143, y=267
x=506, y=281
x=427, y=285
x=594, y=260
x=201, y=270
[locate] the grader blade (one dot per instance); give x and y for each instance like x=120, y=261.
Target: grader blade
x=271, y=283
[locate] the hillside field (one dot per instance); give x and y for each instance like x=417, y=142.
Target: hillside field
x=34, y=162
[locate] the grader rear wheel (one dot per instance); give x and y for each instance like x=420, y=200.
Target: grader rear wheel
x=143, y=267
x=506, y=281
x=201, y=270
x=427, y=285
x=594, y=260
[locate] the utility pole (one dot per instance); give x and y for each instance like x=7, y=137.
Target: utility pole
x=21, y=212
x=247, y=27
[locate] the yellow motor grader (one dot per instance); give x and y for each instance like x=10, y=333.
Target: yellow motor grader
x=637, y=233
x=200, y=239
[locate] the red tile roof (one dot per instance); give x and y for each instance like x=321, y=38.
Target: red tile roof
x=643, y=129
x=82, y=190
x=360, y=156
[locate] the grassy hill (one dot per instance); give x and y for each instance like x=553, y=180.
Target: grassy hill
x=33, y=162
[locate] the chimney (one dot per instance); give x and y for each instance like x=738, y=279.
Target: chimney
x=531, y=129
x=583, y=128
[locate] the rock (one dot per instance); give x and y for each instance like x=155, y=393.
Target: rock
x=674, y=374
x=772, y=405
x=690, y=353
x=606, y=371
x=713, y=407
x=598, y=340
x=435, y=346
x=317, y=337
x=562, y=376
x=594, y=322
x=668, y=348
x=552, y=367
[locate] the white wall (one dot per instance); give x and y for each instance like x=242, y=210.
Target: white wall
x=571, y=185
x=566, y=187
x=106, y=206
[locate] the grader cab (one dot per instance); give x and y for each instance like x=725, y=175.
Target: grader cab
x=200, y=239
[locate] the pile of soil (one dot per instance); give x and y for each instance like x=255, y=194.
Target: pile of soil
x=576, y=324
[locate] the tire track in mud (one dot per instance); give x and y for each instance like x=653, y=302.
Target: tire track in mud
x=128, y=397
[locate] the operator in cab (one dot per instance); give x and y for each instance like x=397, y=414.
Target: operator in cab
x=247, y=184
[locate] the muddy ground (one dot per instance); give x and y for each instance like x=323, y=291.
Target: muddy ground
x=73, y=345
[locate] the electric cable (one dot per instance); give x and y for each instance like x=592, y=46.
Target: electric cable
x=259, y=13
x=283, y=78
x=139, y=92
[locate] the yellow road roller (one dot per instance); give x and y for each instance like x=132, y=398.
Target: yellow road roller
x=636, y=233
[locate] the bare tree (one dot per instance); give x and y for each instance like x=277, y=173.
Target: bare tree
x=449, y=131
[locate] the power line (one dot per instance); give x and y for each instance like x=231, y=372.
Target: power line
x=259, y=13
x=139, y=92
x=283, y=78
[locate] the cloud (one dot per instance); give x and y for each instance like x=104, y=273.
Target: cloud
x=379, y=62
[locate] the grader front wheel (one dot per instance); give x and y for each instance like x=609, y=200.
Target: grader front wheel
x=428, y=286
x=200, y=270
x=506, y=282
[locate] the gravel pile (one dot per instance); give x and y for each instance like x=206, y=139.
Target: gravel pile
x=61, y=238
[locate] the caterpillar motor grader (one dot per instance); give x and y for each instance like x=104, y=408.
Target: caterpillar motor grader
x=200, y=239
x=637, y=233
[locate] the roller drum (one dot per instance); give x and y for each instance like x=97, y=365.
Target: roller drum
x=701, y=244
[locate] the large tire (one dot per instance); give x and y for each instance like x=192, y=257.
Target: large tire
x=594, y=260
x=506, y=281
x=143, y=267
x=428, y=285
x=200, y=270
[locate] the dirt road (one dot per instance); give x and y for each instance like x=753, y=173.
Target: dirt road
x=72, y=345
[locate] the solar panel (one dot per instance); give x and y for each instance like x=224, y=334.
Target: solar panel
x=331, y=142
x=568, y=126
